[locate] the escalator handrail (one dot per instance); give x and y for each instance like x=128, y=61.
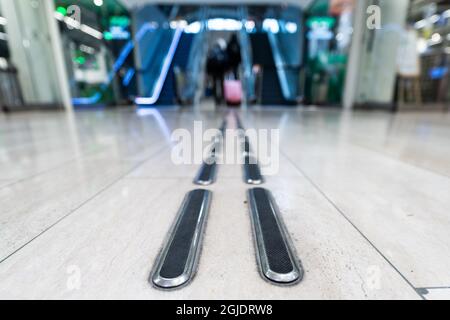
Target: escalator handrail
x=158, y=38
x=157, y=88
x=280, y=65
x=246, y=53
x=195, y=58
x=148, y=64
x=126, y=51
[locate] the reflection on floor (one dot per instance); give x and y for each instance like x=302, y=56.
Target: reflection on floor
x=87, y=199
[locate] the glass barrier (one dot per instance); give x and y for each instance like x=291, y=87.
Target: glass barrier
x=194, y=65
x=284, y=38
x=146, y=31
x=248, y=80
x=153, y=60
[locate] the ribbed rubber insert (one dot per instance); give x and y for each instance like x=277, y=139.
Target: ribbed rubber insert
x=177, y=261
x=207, y=173
x=275, y=256
x=247, y=148
x=252, y=173
x=178, y=252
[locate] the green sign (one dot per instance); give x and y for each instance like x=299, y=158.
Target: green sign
x=119, y=21
x=321, y=22
x=62, y=10
x=107, y=35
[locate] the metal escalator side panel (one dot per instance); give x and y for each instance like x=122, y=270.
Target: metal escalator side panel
x=153, y=98
x=168, y=94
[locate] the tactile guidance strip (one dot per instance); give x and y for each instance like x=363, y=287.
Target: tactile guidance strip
x=276, y=258
x=207, y=173
x=177, y=262
x=252, y=172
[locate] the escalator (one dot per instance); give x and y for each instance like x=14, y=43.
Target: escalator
x=180, y=59
x=271, y=92
x=166, y=50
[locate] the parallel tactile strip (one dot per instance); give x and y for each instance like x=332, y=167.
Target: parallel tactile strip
x=207, y=174
x=177, y=261
x=252, y=172
x=251, y=169
x=276, y=258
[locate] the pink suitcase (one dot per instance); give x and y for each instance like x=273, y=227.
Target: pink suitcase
x=233, y=92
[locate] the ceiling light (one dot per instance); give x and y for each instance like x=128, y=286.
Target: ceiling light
x=194, y=27
x=291, y=27
x=91, y=31
x=219, y=24
x=72, y=23
x=436, y=37
x=98, y=3
x=428, y=21
x=178, y=24
x=271, y=25
x=422, y=45
x=420, y=24
x=250, y=25
x=435, y=18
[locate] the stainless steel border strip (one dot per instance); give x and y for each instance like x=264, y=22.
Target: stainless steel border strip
x=282, y=279
x=195, y=248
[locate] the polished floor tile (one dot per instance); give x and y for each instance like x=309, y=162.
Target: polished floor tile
x=29, y=207
x=110, y=243
x=400, y=207
x=5, y=182
x=107, y=248
x=87, y=200
x=163, y=167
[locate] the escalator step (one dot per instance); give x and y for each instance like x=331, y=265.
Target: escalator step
x=276, y=258
x=177, y=261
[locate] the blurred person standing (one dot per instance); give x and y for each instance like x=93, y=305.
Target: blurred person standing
x=234, y=55
x=216, y=68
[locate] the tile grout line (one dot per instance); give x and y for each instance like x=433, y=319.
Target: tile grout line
x=352, y=224
x=56, y=167
x=121, y=177
x=37, y=174
x=434, y=288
